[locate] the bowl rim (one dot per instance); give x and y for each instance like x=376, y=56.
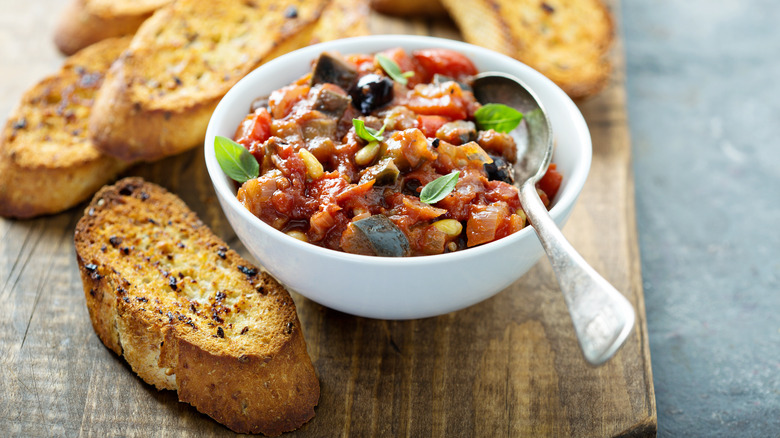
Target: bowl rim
x=565, y=199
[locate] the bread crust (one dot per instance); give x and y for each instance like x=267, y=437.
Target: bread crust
x=47, y=161
x=408, y=8
x=122, y=127
x=85, y=22
x=566, y=41
x=191, y=315
x=157, y=99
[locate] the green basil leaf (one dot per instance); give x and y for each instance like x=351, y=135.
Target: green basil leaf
x=393, y=70
x=367, y=133
x=235, y=160
x=498, y=117
x=439, y=188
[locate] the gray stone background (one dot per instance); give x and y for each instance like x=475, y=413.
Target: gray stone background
x=704, y=112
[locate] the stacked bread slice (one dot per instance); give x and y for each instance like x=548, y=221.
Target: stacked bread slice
x=146, y=96
x=85, y=22
x=48, y=161
x=158, y=97
x=566, y=40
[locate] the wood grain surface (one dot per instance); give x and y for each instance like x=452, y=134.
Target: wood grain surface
x=508, y=366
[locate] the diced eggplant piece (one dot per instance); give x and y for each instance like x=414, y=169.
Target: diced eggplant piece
x=371, y=92
x=457, y=132
x=331, y=69
x=372, y=122
x=323, y=148
x=320, y=127
x=385, y=172
x=330, y=102
x=500, y=170
x=381, y=235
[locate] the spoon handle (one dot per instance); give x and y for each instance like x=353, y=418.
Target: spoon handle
x=602, y=316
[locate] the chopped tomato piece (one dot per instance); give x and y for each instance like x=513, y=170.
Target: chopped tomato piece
x=255, y=128
x=320, y=223
x=446, y=99
x=355, y=190
x=363, y=63
x=418, y=210
x=543, y=197
x=326, y=190
x=445, y=62
x=467, y=191
x=551, y=181
x=282, y=100
x=500, y=191
x=430, y=124
x=432, y=241
x=359, y=197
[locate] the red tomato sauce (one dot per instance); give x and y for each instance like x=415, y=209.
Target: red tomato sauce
x=322, y=183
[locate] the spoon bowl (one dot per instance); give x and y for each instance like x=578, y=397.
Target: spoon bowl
x=534, y=134
x=601, y=315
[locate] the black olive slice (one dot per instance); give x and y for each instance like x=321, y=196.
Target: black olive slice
x=385, y=172
x=372, y=91
x=500, y=170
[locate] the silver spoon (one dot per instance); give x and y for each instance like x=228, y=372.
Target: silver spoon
x=602, y=316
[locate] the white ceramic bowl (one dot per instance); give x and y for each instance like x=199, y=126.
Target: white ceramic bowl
x=385, y=287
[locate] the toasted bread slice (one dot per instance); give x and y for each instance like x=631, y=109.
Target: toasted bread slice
x=158, y=97
x=85, y=22
x=191, y=315
x=342, y=19
x=47, y=160
x=567, y=41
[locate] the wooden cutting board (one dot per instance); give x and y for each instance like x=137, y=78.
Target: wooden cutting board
x=509, y=366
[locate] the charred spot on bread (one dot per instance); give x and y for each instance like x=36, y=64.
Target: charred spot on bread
x=248, y=271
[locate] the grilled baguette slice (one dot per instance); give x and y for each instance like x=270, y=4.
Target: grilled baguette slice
x=158, y=97
x=567, y=41
x=85, y=22
x=191, y=315
x=47, y=160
